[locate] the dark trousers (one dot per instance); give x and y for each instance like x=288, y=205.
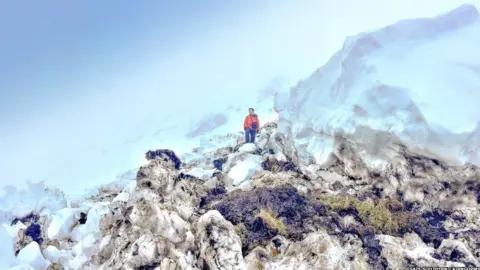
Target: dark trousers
x=250, y=135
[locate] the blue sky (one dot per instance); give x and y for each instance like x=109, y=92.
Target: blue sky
x=79, y=79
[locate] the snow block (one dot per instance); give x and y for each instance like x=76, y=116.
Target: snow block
x=62, y=223
x=243, y=171
x=32, y=255
x=7, y=255
x=166, y=155
x=248, y=148
x=52, y=254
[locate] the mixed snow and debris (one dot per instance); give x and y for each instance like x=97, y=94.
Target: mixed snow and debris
x=372, y=201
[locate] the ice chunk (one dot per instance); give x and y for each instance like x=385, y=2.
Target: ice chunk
x=200, y=173
x=248, y=148
x=244, y=170
x=7, y=254
x=93, y=222
x=62, y=223
x=52, y=254
x=122, y=197
x=32, y=256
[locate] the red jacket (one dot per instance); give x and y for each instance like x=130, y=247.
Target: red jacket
x=249, y=120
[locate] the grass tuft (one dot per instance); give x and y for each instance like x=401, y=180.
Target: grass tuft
x=378, y=215
x=273, y=222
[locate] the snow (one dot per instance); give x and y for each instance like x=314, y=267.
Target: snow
x=31, y=255
x=94, y=215
x=245, y=169
x=16, y=203
x=200, y=173
x=62, y=223
x=52, y=254
x=417, y=79
x=248, y=148
x=121, y=197
x=6, y=249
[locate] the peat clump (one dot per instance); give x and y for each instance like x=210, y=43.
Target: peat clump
x=273, y=165
x=263, y=213
x=213, y=194
x=384, y=216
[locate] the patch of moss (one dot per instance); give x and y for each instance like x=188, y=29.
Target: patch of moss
x=376, y=214
x=272, y=220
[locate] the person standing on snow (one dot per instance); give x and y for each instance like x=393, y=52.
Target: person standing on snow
x=251, y=125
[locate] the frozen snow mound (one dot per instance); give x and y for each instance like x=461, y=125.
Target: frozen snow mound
x=418, y=79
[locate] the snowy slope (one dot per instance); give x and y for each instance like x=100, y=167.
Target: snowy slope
x=418, y=78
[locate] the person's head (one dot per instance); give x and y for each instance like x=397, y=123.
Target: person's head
x=251, y=111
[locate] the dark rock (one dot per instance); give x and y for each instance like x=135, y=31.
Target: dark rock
x=218, y=163
x=458, y=218
x=374, y=251
x=446, y=185
x=164, y=154
x=476, y=191
x=151, y=266
x=212, y=195
x=271, y=152
x=186, y=176
x=410, y=206
x=453, y=255
x=377, y=191
x=337, y=186
x=456, y=255
x=31, y=218
x=429, y=234
x=218, y=190
x=35, y=232
x=259, y=233
x=435, y=218
x=276, y=242
x=83, y=218
x=370, y=244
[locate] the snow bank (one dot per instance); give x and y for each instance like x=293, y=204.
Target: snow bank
x=417, y=79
